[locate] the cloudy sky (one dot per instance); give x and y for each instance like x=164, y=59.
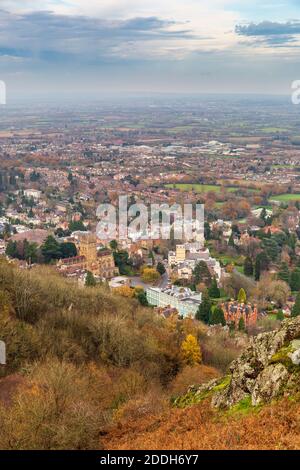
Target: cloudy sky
x=110, y=46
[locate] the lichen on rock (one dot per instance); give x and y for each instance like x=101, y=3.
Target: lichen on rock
x=268, y=368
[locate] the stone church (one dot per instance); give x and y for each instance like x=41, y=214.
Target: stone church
x=99, y=262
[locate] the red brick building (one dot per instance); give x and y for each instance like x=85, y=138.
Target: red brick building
x=234, y=311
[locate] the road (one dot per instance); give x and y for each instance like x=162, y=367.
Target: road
x=137, y=281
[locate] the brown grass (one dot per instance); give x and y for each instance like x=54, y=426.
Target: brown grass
x=277, y=426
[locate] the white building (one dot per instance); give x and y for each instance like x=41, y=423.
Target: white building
x=183, y=299
x=32, y=193
x=187, y=256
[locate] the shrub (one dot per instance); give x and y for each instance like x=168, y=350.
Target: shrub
x=55, y=411
x=192, y=375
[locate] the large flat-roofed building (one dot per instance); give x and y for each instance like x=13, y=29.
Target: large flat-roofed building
x=183, y=299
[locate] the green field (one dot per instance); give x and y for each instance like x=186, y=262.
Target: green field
x=286, y=197
x=199, y=188
x=283, y=166
x=273, y=130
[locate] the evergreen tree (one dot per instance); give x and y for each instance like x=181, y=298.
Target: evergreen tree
x=263, y=215
x=248, y=267
x=201, y=274
x=207, y=231
x=295, y=280
x=113, y=245
x=51, y=249
x=160, y=268
x=204, y=309
x=30, y=251
x=142, y=298
x=235, y=230
x=242, y=297
x=280, y=315
x=34, y=176
x=77, y=225
x=242, y=326
x=271, y=248
x=231, y=240
x=90, y=280
x=284, y=273
x=214, y=291
x=217, y=317
x=122, y=261
x=296, y=308
x=68, y=250
x=11, y=249
x=261, y=264
x=257, y=269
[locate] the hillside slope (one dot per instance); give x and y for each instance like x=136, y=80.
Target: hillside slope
x=256, y=406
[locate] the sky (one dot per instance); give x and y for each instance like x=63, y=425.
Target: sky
x=149, y=46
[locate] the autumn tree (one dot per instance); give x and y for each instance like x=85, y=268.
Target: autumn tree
x=190, y=351
x=150, y=275
x=125, y=291
x=268, y=290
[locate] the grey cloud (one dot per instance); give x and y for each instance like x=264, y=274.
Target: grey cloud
x=48, y=36
x=271, y=33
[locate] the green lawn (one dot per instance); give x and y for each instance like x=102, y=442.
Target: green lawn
x=199, y=188
x=283, y=166
x=240, y=269
x=286, y=197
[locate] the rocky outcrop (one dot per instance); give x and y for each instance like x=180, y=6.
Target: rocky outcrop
x=268, y=368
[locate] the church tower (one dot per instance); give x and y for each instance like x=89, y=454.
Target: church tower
x=88, y=248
